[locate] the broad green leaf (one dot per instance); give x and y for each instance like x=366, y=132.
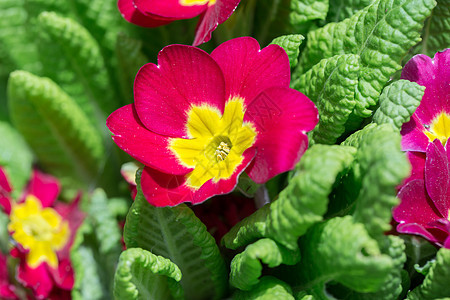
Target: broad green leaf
x=130, y=59
x=268, y=288
x=303, y=11
x=72, y=58
x=4, y=234
x=419, y=252
x=435, y=285
x=246, y=267
x=383, y=166
x=398, y=102
x=291, y=44
x=177, y=234
x=15, y=157
x=57, y=130
x=301, y=204
x=381, y=34
x=331, y=85
x=341, y=250
x=343, y=9
x=143, y=275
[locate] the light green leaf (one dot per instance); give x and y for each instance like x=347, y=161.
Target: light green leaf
x=398, y=102
x=331, y=85
x=303, y=11
x=435, y=285
x=72, y=58
x=341, y=250
x=177, y=234
x=381, y=34
x=15, y=157
x=59, y=133
x=290, y=44
x=143, y=275
x=301, y=204
x=268, y=288
x=343, y=9
x=246, y=267
x=382, y=166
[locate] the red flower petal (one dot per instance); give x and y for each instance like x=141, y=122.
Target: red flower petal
x=162, y=189
x=63, y=275
x=413, y=136
x=170, y=8
x=418, y=229
x=281, y=117
x=44, y=187
x=147, y=147
x=37, y=279
x=248, y=70
x=164, y=93
x=213, y=16
x=417, y=160
x=135, y=16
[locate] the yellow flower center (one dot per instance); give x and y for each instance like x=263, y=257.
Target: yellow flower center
x=439, y=129
x=216, y=142
x=197, y=2
x=39, y=230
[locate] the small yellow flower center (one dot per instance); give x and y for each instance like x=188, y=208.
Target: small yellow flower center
x=217, y=142
x=439, y=129
x=197, y=2
x=39, y=230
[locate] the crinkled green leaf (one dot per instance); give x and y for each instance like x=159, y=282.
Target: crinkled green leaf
x=331, y=85
x=341, y=250
x=130, y=59
x=60, y=134
x=177, y=234
x=15, y=157
x=435, y=285
x=290, y=44
x=398, y=102
x=246, y=267
x=143, y=275
x=383, y=166
x=268, y=288
x=301, y=204
x=72, y=58
x=303, y=11
x=381, y=34
x=342, y=9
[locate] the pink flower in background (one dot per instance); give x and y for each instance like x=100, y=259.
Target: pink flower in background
x=199, y=120
x=153, y=13
x=43, y=231
x=7, y=289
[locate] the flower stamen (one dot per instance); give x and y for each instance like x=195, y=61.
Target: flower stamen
x=222, y=151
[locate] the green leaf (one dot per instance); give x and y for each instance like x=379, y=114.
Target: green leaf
x=435, y=284
x=72, y=58
x=246, y=267
x=382, y=166
x=59, y=133
x=268, y=288
x=398, y=102
x=381, y=34
x=143, y=275
x=15, y=157
x=341, y=250
x=343, y=9
x=4, y=234
x=291, y=44
x=177, y=234
x=331, y=85
x=301, y=204
x=303, y=11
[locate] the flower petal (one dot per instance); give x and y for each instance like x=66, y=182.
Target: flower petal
x=147, y=147
x=44, y=187
x=434, y=74
x=164, y=93
x=417, y=160
x=135, y=16
x=437, y=176
x=37, y=279
x=162, y=189
x=5, y=190
x=63, y=275
x=213, y=16
x=248, y=70
x=281, y=117
x=413, y=136
x=414, y=228
x=171, y=8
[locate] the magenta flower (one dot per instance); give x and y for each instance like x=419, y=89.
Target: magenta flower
x=151, y=13
x=7, y=289
x=43, y=231
x=200, y=120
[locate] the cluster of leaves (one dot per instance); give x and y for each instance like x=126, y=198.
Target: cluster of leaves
x=66, y=65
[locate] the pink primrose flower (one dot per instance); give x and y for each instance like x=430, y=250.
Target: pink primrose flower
x=425, y=195
x=151, y=13
x=200, y=120
x=7, y=289
x=43, y=231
